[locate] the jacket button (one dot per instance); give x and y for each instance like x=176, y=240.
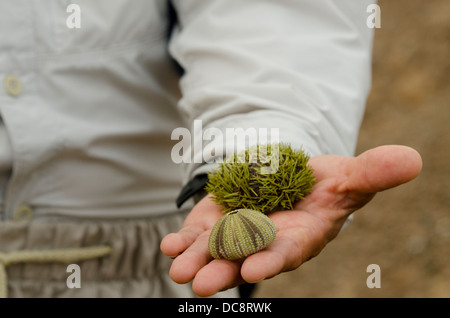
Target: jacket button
x=23, y=213
x=13, y=85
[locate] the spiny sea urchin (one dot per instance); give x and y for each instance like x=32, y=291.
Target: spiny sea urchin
x=264, y=178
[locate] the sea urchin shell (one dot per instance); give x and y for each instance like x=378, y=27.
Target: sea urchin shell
x=240, y=233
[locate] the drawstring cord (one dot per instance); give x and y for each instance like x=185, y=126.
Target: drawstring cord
x=65, y=255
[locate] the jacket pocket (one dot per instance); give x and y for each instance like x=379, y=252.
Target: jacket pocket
x=103, y=25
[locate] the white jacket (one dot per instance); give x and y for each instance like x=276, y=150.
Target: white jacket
x=87, y=113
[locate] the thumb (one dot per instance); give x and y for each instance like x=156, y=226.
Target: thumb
x=382, y=168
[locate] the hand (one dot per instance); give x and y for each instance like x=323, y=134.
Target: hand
x=344, y=185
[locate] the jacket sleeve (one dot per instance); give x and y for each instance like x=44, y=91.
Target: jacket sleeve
x=301, y=66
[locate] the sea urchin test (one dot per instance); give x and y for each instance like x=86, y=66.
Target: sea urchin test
x=241, y=233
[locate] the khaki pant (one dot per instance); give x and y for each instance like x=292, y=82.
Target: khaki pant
x=133, y=267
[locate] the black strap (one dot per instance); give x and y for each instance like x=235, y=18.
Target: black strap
x=192, y=187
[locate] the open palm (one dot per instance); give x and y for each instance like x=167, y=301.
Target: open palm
x=344, y=184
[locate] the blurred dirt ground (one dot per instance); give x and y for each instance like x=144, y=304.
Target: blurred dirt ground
x=405, y=230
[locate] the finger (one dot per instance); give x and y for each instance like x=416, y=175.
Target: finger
x=382, y=168
x=202, y=217
x=217, y=276
x=186, y=265
x=174, y=244
x=293, y=245
x=329, y=166
x=284, y=254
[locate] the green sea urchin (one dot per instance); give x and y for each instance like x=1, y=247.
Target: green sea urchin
x=263, y=178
